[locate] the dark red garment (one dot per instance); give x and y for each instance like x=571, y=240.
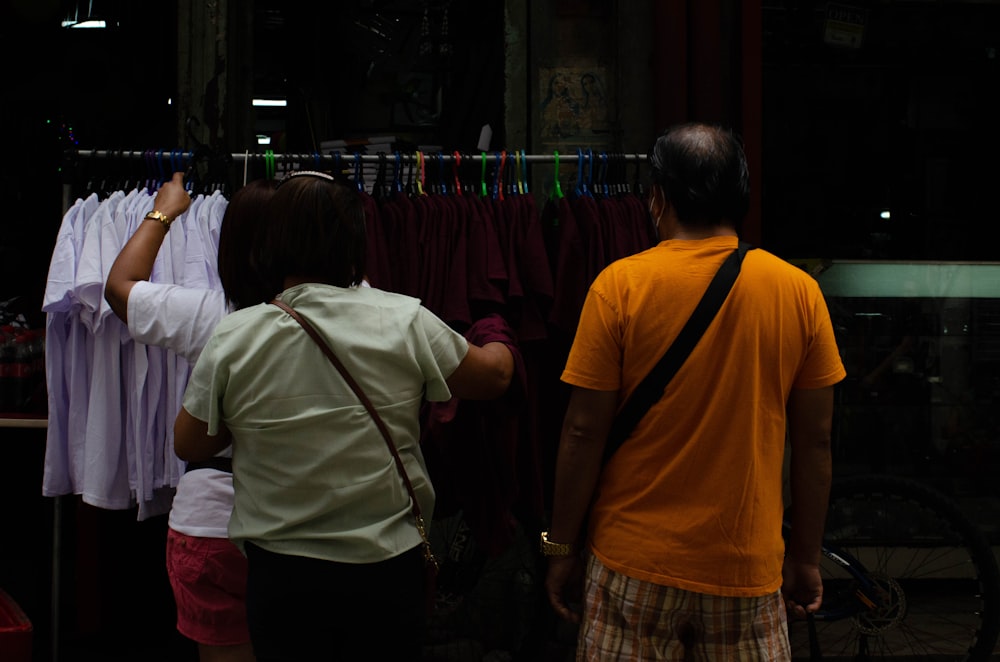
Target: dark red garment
x=455, y=300
x=403, y=241
x=588, y=218
x=430, y=230
x=617, y=234
x=475, y=454
x=503, y=212
x=487, y=271
x=377, y=262
x=639, y=222
x=570, y=281
x=530, y=254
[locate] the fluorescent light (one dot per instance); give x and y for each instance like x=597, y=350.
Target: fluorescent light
x=270, y=102
x=94, y=23
x=885, y=214
x=263, y=139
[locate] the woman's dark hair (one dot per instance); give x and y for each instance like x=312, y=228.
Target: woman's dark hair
x=316, y=231
x=242, y=278
x=702, y=171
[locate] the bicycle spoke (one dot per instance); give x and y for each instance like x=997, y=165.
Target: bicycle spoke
x=934, y=579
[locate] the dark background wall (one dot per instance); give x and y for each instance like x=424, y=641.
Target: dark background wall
x=903, y=120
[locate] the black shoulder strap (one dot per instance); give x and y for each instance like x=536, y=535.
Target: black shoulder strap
x=650, y=390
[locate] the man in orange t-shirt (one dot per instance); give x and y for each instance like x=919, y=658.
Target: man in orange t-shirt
x=684, y=544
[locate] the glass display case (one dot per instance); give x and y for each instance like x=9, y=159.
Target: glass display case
x=921, y=344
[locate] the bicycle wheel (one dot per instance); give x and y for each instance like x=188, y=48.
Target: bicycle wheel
x=933, y=568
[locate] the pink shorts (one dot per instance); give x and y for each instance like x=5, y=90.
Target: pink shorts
x=209, y=580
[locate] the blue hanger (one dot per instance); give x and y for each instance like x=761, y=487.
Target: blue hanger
x=159, y=166
x=497, y=180
x=603, y=174
x=442, y=182
x=359, y=175
x=524, y=172
x=589, y=188
x=397, y=173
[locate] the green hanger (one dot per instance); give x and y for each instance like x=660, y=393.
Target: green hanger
x=482, y=176
x=556, y=193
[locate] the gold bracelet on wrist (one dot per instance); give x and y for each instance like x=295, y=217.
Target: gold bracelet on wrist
x=549, y=548
x=157, y=215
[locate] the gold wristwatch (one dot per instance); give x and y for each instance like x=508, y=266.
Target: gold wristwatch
x=554, y=548
x=157, y=215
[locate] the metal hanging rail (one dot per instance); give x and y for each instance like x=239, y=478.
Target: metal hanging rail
x=331, y=157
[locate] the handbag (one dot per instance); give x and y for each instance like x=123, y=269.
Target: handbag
x=430, y=561
x=651, y=388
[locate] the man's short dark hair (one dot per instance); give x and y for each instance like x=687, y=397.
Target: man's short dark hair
x=316, y=230
x=702, y=171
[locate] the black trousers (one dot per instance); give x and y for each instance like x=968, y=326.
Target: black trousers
x=303, y=610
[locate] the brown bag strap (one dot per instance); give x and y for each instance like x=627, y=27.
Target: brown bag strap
x=371, y=410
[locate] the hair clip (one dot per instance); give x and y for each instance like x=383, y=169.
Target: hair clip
x=307, y=173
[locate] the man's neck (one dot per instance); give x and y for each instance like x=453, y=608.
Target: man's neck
x=694, y=234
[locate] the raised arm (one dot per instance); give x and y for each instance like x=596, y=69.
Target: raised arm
x=135, y=261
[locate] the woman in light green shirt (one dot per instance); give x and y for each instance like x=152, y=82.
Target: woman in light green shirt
x=321, y=511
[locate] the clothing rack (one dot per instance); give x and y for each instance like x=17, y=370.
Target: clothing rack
x=332, y=156
x=505, y=166
x=159, y=163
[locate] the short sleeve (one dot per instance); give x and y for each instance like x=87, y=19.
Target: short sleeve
x=445, y=350
x=594, y=360
x=823, y=365
x=177, y=318
x=205, y=388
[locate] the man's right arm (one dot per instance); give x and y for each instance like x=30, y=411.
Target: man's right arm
x=810, y=419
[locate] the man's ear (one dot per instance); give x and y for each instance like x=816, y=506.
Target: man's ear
x=655, y=201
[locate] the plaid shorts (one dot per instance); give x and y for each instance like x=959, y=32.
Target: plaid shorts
x=631, y=619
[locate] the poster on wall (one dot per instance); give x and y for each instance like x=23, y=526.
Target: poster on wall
x=575, y=106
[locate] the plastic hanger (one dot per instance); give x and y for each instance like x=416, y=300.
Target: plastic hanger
x=397, y=174
x=150, y=171
x=511, y=174
x=442, y=180
x=410, y=161
x=455, y=164
x=501, y=158
x=589, y=187
x=602, y=175
x=421, y=173
x=269, y=164
x=160, y=169
x=482, y=176
x=556, y=192
x=581, y=182
x=359, y=173
x=523, y=180
x=518, y=184
x=378, y=186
